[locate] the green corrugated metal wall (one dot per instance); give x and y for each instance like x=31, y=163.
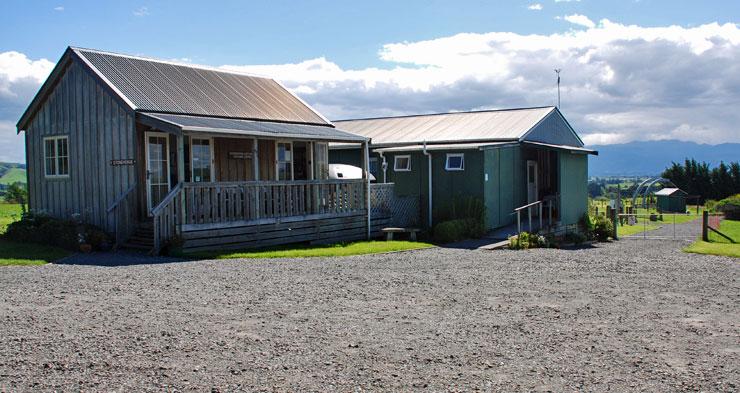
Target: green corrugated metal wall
x=671, y=204
x=504, y=190
x=573, y=175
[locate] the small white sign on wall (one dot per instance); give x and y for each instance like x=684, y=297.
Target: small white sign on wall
x=486, y=177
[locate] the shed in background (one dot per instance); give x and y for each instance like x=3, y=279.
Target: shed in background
x=671, y=200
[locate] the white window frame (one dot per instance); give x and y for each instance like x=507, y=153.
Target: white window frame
x=323, y=173
x=395, y=163
x=462, y=162
x=192, y=167
x=277, y=159
x=56, y=156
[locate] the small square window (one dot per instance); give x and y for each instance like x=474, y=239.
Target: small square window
x=455, y=162
x=402, y=163
x=56, y=156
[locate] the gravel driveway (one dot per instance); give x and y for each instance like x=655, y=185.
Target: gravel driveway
x=629, y=316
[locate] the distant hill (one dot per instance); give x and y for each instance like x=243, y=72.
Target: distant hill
x=11, y=173
x=652, y=157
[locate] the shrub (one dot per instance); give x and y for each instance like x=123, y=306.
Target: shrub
x=67, y=234
x=526, y=240
x=587, y=225
x=463, y=218
x=450, y=231
x=730, y=206
x=574, y=237
x=602, y=228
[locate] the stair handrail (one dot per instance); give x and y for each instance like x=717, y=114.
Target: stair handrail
x=165, y=228
x=167, y=199
x=123, y=214
x=550, y=199
x=121, y=198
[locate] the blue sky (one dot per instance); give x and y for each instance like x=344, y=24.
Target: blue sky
x=270, y=32
x=626, y=63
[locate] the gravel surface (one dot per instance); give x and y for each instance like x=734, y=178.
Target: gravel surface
x=629, y=316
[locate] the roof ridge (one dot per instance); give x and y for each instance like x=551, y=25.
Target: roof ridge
x=170, y=62
x=448, y=113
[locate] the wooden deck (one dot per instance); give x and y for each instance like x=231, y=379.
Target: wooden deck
x=230, y=215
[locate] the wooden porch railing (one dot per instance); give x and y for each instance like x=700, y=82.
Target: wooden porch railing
x=214, y=203
x=166, y=217
x=124, y=215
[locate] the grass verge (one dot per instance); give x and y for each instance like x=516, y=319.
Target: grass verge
x=626, y=230
x=9, y=212
x=334, y=250
x=12, y=253
x=717, y=245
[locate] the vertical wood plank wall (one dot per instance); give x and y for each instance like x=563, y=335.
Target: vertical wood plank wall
x=267, y=159
x=100, y=129
x=230, y=169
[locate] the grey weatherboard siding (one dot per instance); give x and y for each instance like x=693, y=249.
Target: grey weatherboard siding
x=100, y=129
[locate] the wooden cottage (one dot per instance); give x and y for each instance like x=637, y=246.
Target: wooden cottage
x=150, y=150
x=526, y=165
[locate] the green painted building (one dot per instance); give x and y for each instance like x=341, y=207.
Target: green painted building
x=505, y=158
x=671, y=200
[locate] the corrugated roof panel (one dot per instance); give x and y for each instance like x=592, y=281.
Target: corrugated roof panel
x=459, y=126
x=158, y=86
x=255, y=128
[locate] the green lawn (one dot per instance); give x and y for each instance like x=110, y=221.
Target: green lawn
x=13, y=175
x=12, y=253
x=336, y=250
x=717, y=245
x=9, y=212
x=626, y=230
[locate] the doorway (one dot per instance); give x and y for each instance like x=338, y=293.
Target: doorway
x=301, y=166
x=157, y=168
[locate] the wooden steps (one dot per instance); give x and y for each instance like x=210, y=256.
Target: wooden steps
x=142, y=238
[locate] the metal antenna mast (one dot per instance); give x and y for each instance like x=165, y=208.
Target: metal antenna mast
x=557, y=71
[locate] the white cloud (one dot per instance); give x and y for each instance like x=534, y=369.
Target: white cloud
x=620, y=82
x=535, y=7
x=581, y=20
x=567, y=1
x=141, y=11
x=20, y=78
x=59, y=8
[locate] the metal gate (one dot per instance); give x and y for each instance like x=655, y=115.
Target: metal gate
x=659, y=226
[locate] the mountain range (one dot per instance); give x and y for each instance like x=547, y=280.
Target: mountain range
x=650, y=158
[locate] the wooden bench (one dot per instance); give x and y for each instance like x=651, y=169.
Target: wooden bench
x=390, y=231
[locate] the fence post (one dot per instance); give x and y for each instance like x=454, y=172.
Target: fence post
x=705, y=226
x=618, y=208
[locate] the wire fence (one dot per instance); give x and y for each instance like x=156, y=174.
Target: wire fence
x=658, y=226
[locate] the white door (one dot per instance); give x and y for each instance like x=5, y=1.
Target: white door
x=157, y=168
x=532, y=186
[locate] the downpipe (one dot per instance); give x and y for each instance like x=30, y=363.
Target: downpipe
x=429, y=191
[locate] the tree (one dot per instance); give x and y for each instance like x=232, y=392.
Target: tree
x=709, y=183
x=17, y=193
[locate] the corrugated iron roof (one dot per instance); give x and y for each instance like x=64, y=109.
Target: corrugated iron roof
x=563, y=147
x=669, y=191
x=160, y=86
x=445, y=146
x=493, y=125
x=253, y=128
